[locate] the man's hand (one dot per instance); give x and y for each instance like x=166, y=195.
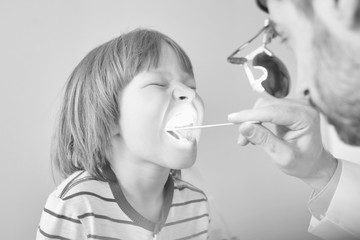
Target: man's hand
x=295, y=145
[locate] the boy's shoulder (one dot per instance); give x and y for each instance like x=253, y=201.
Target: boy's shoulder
x=78, y=183
x=187, y=188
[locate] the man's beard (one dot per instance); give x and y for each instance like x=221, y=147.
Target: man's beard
x=348, y=133
x=337, y=81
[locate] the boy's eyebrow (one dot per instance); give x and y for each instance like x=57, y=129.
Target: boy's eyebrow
x=159, y=71
x=186, y=76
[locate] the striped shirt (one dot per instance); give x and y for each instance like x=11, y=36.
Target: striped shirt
x=83, y=207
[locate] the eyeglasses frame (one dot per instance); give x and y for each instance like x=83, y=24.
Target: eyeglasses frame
x=269, y=34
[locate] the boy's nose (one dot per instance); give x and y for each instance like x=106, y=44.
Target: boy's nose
x=184, y=93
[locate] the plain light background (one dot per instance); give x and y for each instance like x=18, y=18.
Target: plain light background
x=41, y=43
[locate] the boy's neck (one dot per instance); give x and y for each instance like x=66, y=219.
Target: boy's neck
x=142, y=184
x=143, y=181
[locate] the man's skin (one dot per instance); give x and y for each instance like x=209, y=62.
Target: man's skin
x=296, y=146
x=324, y=36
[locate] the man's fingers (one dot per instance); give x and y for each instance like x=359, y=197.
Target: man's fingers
x=294, y=114
x=242, y=140
x=294, y=118
x=263, y=114
x=280, y=151
x=260, y=112
x=260, y=135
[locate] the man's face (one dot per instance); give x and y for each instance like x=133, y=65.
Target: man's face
x=326, y=66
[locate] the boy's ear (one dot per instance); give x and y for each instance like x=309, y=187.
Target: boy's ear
x=343, y=14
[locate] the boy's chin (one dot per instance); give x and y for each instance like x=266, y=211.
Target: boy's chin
x=182, y=162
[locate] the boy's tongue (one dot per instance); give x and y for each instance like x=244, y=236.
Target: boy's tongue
x=186, y=134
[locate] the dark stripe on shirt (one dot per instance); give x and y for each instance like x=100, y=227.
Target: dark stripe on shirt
x=67, y=185
x=192, y=236
x=101, y=237
x=105, y=217
x=189, y=202
x=61, y=216
x=180, y=188
x=74, y=183
x=52, y=236
x=91, y=194
x=186, y=220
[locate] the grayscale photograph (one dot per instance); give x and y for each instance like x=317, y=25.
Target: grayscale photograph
x=180, y=120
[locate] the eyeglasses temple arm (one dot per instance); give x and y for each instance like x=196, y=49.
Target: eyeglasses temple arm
x=248, y=42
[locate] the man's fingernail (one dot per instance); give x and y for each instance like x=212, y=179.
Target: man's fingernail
x=249, y=131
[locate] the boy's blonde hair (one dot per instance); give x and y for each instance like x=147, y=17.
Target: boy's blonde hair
x=82, y=140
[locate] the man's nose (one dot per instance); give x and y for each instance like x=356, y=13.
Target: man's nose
x=183, y=92
x=306, y=93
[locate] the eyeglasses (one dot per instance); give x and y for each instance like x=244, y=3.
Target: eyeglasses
x=275, y=79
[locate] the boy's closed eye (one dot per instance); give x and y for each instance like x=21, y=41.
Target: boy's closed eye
x=166, y=84
x=158, y=84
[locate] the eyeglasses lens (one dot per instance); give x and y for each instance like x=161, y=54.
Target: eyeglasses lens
x=277, y=83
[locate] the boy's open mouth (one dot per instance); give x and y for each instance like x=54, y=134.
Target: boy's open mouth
x=182, y=119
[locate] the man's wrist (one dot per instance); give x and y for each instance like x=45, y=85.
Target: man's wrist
x=319, y=201
x=324, y=170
